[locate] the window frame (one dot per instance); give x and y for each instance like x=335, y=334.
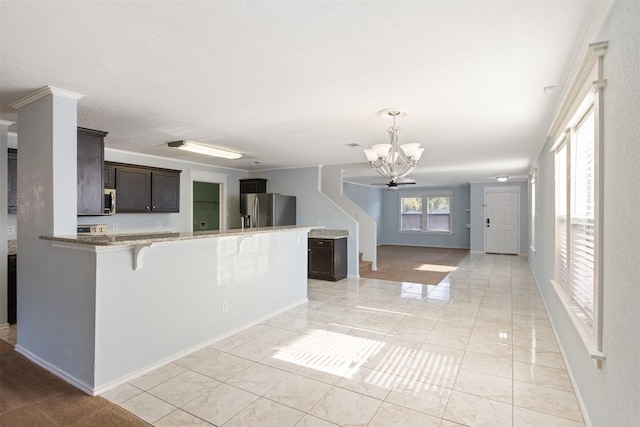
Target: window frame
x=533, y=192
x=584, y=97
x=424, y=227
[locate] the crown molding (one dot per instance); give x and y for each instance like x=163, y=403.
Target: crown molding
x=41, y=93
x=577, y=87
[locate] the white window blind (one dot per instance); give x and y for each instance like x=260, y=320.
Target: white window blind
x=583, y=219
x=534, y=208
x=561, y=216
x=438, y=213
x=411, y=213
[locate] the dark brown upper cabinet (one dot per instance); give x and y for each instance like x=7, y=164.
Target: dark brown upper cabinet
x=146, y=189
x=109, y=176
x=253, y=185
x=90, y=171
x=12, y=196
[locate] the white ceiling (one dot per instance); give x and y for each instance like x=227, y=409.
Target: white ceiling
x=292, y=83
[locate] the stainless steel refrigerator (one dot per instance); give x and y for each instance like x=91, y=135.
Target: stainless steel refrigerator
x=267, y=209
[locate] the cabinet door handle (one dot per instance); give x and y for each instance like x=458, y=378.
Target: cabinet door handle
x=148, y=208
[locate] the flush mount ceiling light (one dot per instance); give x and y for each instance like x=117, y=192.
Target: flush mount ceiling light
x=207, y=150
x=502, y=178
x=393, y=161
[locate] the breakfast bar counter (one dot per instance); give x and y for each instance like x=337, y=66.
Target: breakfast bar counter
x=111, y=317
x=126, y=239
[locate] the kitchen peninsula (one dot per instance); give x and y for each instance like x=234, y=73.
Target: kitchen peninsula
x=140, y=301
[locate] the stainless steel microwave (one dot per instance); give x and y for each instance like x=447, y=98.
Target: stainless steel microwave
x=109, y=201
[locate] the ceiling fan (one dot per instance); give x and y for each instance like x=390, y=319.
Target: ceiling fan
x=393, y=184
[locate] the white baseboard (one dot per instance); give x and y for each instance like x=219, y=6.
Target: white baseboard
x=576, y=390
x=422, y=246
x=56, y=371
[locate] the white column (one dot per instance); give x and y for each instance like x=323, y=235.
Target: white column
x=4, y=137
x=47, y=204
x=47, y=163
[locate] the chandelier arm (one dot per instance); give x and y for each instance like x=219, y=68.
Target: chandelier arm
x=382, y=172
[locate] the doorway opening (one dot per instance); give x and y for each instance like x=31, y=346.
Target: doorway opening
x=206, y=206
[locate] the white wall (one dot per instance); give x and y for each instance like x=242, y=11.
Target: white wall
x=611, y=395
x=369, y=199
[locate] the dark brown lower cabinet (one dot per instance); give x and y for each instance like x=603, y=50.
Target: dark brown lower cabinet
x=12, y=295
x=327, y=259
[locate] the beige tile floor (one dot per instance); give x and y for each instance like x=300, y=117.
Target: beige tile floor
x=475, y=350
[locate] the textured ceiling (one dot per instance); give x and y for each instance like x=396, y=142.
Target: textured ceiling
x=293, y=83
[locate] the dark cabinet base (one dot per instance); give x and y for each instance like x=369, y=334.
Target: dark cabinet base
x=327, y=259
x=12, y=312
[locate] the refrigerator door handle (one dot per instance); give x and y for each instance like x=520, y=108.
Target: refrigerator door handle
x=256, y=212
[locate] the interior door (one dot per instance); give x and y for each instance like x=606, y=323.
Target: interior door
x=206, y=206
x=502, y=226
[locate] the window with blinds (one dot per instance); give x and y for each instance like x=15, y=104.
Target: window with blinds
x=575, y=172
x=429, y=212
x=575, y=236
x=534, y=208
x=578, y=150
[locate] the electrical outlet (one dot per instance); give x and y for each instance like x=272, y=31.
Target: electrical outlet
x=225, y=306
x=10, y=230
x=114, y=226
x=159, y=224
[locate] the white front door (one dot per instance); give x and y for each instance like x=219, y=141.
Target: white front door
x=502, y=226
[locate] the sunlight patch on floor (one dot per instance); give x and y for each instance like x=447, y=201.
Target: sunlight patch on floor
x=331, y=352
x=436, y=268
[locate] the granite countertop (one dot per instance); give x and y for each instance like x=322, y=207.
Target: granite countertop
x=323, y=233
x=12, y=246
x=129, y=239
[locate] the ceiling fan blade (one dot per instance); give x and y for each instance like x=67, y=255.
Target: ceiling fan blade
x=393, y=184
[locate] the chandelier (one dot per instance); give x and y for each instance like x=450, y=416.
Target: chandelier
x=392, y=161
